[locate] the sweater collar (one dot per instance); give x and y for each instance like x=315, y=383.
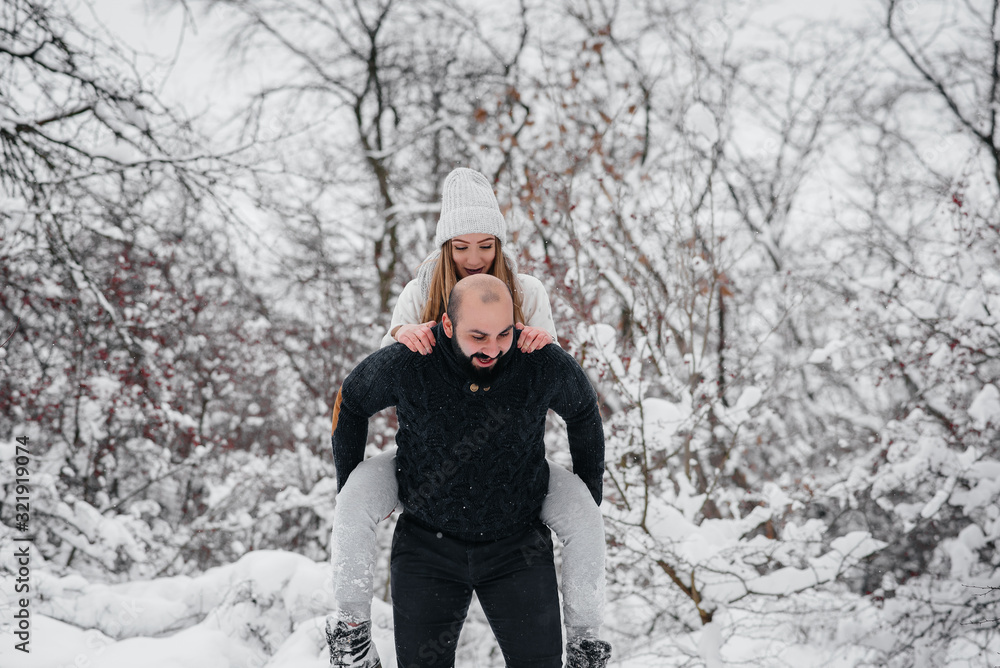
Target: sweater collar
x=457, y=369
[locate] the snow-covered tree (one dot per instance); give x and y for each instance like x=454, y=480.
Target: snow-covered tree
x=134, y=351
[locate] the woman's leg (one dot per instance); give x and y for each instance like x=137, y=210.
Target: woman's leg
x=570, y=511
x=368, y=497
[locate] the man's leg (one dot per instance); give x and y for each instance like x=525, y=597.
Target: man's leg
x=431, y=593
x=515, y=580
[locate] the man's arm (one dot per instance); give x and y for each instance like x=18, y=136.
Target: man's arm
x=350, y=432
x=576, y=402
x=368, y=389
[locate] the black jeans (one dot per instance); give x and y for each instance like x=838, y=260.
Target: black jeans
x=433, y=577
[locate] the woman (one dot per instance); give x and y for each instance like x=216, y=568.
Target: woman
x=425, y=298
x=468, y=235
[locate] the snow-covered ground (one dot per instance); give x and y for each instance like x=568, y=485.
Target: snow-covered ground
x=268, y=610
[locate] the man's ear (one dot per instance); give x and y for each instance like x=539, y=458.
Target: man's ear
x=447, y=326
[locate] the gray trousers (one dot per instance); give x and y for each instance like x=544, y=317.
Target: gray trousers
x=371, y=494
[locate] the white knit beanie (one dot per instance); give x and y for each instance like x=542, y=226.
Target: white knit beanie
x=468, y=206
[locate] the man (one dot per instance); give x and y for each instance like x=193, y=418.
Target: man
x=472, y=476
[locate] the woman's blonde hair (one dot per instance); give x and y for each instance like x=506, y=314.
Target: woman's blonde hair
x=446, y=275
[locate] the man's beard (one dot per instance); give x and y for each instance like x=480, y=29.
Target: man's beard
x=483, y=375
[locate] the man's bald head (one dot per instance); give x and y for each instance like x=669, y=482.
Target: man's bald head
x=479, y=289
x=480, y=323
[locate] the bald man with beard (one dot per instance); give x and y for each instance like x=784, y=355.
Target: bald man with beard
x=472, y=477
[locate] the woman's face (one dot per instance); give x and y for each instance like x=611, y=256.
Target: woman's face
x=473, y=253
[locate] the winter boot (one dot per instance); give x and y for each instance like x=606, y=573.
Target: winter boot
x=585, y=652
x=351, y=646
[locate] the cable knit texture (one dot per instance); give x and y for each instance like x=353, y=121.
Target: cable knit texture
x=471, y=459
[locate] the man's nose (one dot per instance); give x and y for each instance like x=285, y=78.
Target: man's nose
x=491, y=348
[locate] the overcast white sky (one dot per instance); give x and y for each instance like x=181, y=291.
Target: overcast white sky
x=199, y=79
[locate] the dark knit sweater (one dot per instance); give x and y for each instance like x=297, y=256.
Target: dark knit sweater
x=471, y=459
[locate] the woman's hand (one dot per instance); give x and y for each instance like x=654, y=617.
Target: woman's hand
x=418, y=338
x=532, y=338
